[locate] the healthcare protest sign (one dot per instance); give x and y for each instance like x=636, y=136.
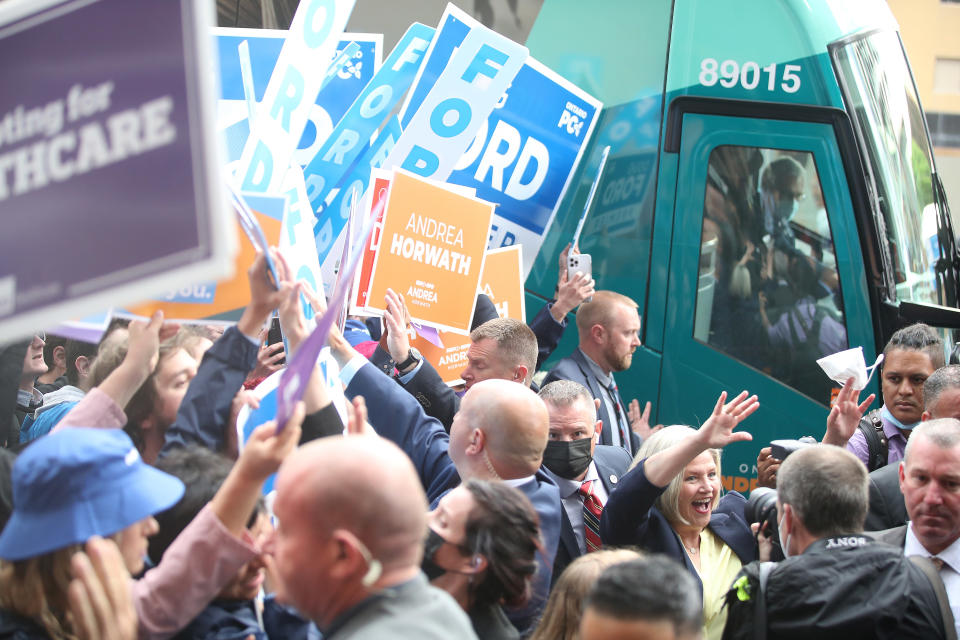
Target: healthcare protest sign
x=431, y=249
x=502, y=282
x=108, y=167
x=224, y=300
x=525, y=154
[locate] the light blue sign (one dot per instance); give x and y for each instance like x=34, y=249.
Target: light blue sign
x=350, y=137
x=265, y=45
x=333, y=219
x=524, y=156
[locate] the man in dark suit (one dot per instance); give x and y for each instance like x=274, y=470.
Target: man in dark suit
x=930, y=481
x=585, y=472
x=499, y=433
x=941, y=399
x=609, y=331
x=500, y=348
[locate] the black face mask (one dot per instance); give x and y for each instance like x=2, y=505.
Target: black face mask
x=430, y=547
x=568, y=459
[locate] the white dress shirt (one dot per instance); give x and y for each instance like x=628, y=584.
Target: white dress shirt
x=949, y=573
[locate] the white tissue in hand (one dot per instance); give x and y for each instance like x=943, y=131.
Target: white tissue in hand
x=843, y=365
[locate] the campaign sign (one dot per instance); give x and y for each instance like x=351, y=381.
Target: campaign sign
x=457, y=104
x=342, y=148
x=291, y=93
x=379, y=187
x=296, y=235
x=266, y=392
x=264, y=45
x=525, y=154
x=224, y=300
x=502, y=282
x=432, y=245
x=108, y=171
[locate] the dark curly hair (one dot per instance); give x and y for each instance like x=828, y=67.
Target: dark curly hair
x=504, y=528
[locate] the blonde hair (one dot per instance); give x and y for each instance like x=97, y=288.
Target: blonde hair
x=600, y=310
x=561, y=617
x=36, y=588
x=669, y=501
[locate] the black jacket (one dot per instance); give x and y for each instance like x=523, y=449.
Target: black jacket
x=16, y=627
x=849, y=587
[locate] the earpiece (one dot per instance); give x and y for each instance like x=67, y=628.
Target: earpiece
x=372, y=575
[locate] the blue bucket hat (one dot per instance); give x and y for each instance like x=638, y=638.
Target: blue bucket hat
x=77, y=483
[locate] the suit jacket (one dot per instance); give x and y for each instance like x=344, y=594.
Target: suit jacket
x=630, y=518
x=575, y=367
x=397, y=416
x=895, y=536
x=887, y=508
x=548, y=332
x=611, y=463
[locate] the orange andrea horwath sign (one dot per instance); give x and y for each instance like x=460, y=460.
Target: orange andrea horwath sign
x=431, y=249
x=502, y=281
x=216, y=300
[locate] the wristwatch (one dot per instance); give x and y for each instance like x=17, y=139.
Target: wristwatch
x=412, y=359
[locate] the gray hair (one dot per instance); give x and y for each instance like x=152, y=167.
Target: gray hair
x=669, y=501
x=943, y=379
x=827, y=488
x=944, y=433
x=563, y=393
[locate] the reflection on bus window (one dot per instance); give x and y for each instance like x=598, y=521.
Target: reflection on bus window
x=768, y=293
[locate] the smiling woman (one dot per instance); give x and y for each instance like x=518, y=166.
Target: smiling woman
x=670, y=503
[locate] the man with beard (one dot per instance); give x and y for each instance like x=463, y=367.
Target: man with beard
x=585, y=472
x=609, y=330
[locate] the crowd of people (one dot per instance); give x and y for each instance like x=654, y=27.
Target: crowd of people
x=132, y=507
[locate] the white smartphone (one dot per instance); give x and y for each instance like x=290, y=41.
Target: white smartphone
x=581, y=262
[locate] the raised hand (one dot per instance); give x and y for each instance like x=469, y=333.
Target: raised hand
x=845, y=415
x=357, y=424
x=144, y=340
x=101, y=606
x=767, y=467
x=717, y=432
x=640, y=422
x=266, y=449
x=396, y=321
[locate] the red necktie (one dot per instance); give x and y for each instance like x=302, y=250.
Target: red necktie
x=592, y=508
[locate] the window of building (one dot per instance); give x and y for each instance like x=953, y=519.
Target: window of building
x=946, y=75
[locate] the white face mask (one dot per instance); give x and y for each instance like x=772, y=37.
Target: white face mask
x=843, y=365
x=784, y=544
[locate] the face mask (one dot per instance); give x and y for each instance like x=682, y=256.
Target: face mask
x=843, y=365
x=568, y=459
x=885, y=413
x=784, y=544
x=787, y=208
x=430, y=547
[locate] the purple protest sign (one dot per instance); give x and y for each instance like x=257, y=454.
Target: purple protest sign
x=108, y=166
x=300, y=366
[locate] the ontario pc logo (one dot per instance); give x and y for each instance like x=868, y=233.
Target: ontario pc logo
x=573, y=118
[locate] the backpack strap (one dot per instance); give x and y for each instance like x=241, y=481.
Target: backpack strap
x=877, y=445
x=929, y=570
x=760, y=602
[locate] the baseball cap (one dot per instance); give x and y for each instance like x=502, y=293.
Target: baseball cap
x=80, y=482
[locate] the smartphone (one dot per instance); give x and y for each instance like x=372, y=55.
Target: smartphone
x=581, y=262
x=274, y=335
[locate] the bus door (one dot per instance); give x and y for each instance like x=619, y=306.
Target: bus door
x=765, y=276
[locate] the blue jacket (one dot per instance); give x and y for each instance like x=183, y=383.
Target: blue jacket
x=630, y=518
x=237, y=620
x=397, y=416
x=205, y=409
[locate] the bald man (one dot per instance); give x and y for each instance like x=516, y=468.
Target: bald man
x=499, y=433
x=350, y=541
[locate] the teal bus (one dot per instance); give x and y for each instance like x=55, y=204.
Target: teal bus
x=770, y=197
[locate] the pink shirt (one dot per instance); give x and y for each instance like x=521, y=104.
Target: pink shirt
x=195, y=567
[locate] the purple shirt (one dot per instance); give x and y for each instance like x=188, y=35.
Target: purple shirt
x=896, y=442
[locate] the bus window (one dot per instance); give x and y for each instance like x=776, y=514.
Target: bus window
x=768, y=293
x=879, y=90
